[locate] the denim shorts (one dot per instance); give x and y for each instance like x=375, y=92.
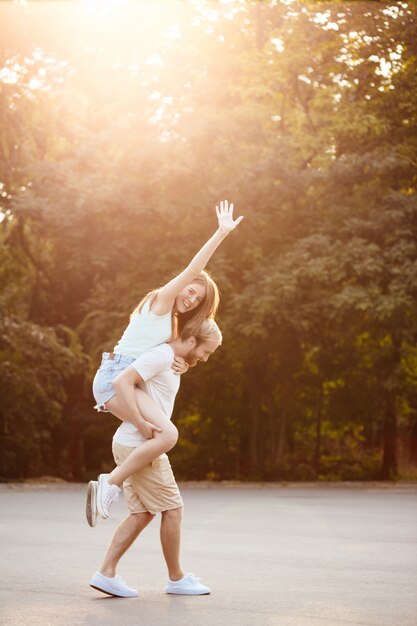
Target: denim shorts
x=103, y=389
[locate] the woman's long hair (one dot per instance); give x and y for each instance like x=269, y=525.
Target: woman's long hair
x=194, y=318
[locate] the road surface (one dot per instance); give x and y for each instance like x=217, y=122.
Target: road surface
x=274, y=555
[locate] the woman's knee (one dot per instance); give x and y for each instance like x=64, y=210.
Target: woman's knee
x=169, y=435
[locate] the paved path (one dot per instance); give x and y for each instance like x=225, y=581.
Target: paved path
x=274, y=556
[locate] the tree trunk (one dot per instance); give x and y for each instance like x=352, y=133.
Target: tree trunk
x=413, y=443
x=317, y=450
x=389, y=468
x=282, y=434
x=253, y=444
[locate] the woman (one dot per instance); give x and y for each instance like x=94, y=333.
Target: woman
x=189, y=298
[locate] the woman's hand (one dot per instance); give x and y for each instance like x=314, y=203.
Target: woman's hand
x=179, y=365
x=167, y=294
x=225, y=217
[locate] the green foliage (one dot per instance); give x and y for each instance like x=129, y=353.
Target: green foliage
x=305, y=115
x=35, y=363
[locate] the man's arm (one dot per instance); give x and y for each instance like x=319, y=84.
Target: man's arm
x=124, y=384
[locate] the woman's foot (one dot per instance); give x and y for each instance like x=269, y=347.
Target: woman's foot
x=91, y=503
x=106, y=495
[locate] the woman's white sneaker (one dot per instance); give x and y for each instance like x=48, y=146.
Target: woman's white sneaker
x=91, y=503
x=188, y=585
x=106, y=495
x=112, y=586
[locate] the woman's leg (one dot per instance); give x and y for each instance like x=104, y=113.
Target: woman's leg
x=151, y=448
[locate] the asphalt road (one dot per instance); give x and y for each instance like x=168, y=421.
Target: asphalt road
x=296, y=555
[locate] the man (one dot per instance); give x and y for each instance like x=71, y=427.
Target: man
x=153, y=489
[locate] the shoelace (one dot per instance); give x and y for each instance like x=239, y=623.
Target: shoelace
x=111, y=496
x=193, y=576
x=120, y=579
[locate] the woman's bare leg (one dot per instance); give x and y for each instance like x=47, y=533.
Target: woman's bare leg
x=151, y=448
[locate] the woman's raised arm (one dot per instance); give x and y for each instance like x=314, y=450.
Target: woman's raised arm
x=167, y=294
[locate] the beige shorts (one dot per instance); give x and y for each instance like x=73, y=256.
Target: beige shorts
x=152, y=489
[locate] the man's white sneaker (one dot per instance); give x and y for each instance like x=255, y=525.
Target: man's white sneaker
x=106, y=495
x=112, y=586
x=91, y=503
x=188, y=585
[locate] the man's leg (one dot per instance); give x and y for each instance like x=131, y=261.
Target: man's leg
x=171, y=540
x=123, y=538
x=178, y=583
x=105, y=579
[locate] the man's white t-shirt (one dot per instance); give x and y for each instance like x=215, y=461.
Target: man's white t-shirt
x=160, y=383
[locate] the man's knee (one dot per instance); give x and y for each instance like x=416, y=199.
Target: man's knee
x=173, y=513
x=141, y=519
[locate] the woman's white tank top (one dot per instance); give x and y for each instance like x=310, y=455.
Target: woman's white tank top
x=145, y=331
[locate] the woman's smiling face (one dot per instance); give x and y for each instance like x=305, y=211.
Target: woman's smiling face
x=190, y=297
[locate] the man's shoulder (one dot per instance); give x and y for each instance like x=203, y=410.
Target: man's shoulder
x=160, y=356
x=163, y=352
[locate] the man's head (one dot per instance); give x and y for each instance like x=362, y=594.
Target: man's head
x=198, y=347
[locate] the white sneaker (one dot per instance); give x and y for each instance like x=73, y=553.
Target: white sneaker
x=112, y=586
x=106, y=495
x=91, y=503
x=188, y=585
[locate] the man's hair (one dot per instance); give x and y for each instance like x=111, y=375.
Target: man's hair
x=208, y=331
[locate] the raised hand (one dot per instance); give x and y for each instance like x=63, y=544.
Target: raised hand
x=225, y=217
